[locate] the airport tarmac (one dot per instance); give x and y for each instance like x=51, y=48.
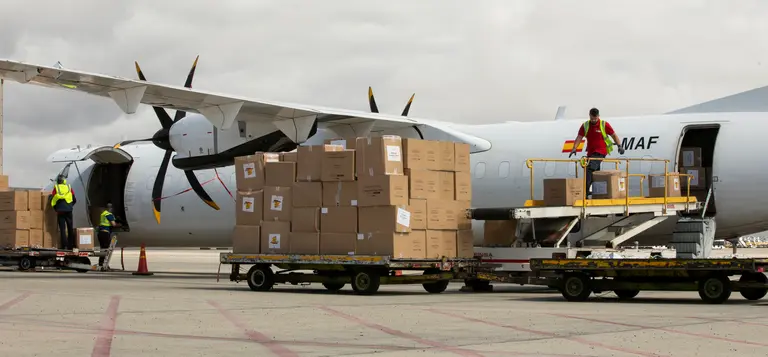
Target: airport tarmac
x=187, y=313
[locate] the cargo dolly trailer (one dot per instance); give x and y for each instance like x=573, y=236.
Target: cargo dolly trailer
x=364, y=273
x=577, y=279
x=29, y=258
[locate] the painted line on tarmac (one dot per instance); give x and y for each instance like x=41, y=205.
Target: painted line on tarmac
x=276, y=348
x=15, y=301
x=103, y=345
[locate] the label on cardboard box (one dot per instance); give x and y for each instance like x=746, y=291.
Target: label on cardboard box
x=657, y=181
x=340, y=142
x=249, y=170
x=688, y=158
x=622, y=184
x=274, y=241
x=277, y=203
x=403, y=217
x=248, y=204
x=676, y=181
x=600, y=188
x=694, y=177
x=393, y=153
x=86, y=239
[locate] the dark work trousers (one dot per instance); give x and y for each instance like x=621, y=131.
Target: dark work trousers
x=594, y=165
x=105, y=238
x=67, y=230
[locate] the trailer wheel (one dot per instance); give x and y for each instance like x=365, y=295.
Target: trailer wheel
x=366, y=282
x=261, y=278
x=753, y=293
x=715, y=289
x=83, y=260
x=576, y=287
x=435, y=287
x=333, y=286
x=26, y=263
x=626, y=294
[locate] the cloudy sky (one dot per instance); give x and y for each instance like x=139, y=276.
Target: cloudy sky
x=466, y=61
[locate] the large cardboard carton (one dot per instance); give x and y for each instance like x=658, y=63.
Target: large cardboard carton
x=563, y=191
x=381, y=156
x=441, y=244
x=337, y=243
x=36, y=220
x=51, y=236
x=340, y=219
x=499, y=233
x=45, y=201
x=306, y=219
x=461, y=155
x=462, y=219
x=423, y=184
x=4, y=183
x=338, y=166
x=412, y=245
x=34, y=200
x=305, y=243
x=51, y=239
x=609, y=184
x=420, y=154
x=277, y=204
x=442, y=215
x=249, y=170
x=275, y=237
x=14, y=220
x=464, y=244
x=292, y=156
x=14, y=238
x=463, y=186
x=249, y=208
x=85, y=238
x=246, y=239
x=341, y=193
x=418, y=209
x=656, y=185
x=307, y=194
x=447, y=189
x=446, y=156
x=279, y=173
x=690, y=157
x=310, y=161
x=385, y=219
x=14, y=200
x=346, y=143
x=383, y=190
x=698, y=178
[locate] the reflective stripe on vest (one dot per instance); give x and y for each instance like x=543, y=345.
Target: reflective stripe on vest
x=63, y=192
x=104, y=222
x=608, y=142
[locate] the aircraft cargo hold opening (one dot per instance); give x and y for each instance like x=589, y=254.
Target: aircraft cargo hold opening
x=107, y=185
x=696, y=156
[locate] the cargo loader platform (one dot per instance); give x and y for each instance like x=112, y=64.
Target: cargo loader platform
x=29, y=258
x=364, y=273
x=577, y=279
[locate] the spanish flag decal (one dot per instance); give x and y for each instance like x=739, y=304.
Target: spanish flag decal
x=568, y=146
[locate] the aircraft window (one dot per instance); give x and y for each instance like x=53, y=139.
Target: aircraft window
x=504, y=169
x=480, y=170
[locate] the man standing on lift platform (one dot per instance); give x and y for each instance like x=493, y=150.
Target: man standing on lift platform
x=599, y=145
x=106, y=222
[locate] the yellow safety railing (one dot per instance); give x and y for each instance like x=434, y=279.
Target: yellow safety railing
x=584, y=163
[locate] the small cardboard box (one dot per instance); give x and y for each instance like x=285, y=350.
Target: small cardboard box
x=337, y=243
x=461, y=154
x=465, y=244
x=446, y=156
x=698, y=178
x=690, y=157
x=14, y=238
x=418, y=209
x=385, y=219
x=306, y=219
x=441, y=244
x=310, y=161
x=463, y=186
x=85, y=238
x=340, y=219
x=249, y=208
x=36, y=220
x=412, y=245
x=4, y=183
x=382, y=190
x=279, y=173
x=307, y=194
x=423, y=184
x=246, y=239
x=277, y=204
x=382, y=156
x=14, y=200
x=36, y=238
x=305, y=243
x=15, y=220
x=292, y=156
x=420, y=154
x=34, y=200
x=656, y=185
x=338, y=166
x=447, y=189
x=341, y=193
x=609, y=184
x=563, y=191
x=345, y=143
x=275, y=237
x=249, y=170
x=442, y=215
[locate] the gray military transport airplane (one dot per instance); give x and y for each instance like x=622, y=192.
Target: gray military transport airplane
x=209, y=130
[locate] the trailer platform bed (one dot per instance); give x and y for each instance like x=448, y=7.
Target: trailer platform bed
x=364, y=273
x=28, y=258
x=577, y=279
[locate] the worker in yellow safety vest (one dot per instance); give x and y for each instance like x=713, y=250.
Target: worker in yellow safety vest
x=106, y=222
x=63, y=201
x=598, y=133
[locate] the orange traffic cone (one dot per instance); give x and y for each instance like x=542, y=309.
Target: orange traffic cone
x=142, y=262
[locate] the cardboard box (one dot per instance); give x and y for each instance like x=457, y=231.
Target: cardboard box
x=34, y=200
x=249, y=208
x=14, y=238
x=277, y=204
x=305, y=243
x=418, y=209
x=382, y=156
x=307, y=194
x=441, y=244
x=14, y=200
x=423, y=184
x=411, y=245
x=698, y=179
x=341, y=193
x=420, y=154
x=656, y=185
x=563, y=191
x=310, y=161
x=36, y=220
x=338, y=219
x=385, y=219
x=447, y=189
x=36, y=238
x=292, y=156
x=338, y=166
x=279, y=173
x=383, y=190
x=446, y=156
x=690, y=157
x=249, y=170
x=462, y=186
x=337, y=243
x=461, y=155
x=51, y=239
x=246, y=239
x=4, y=183
x=45, y=201
x=345, y=143
x=464, y=244
x=275, y=237
x=442, y=215
x=462, y=220
x=85, y=238
x=14, y=220
x=609, y=184
x=306, y=219
x=499, y=233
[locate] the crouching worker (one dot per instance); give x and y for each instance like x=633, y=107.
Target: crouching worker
x=106, y=222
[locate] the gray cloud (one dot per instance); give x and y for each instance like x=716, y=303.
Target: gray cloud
x=466, y=61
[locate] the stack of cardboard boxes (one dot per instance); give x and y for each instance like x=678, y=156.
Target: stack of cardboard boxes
x=363, y=196
x=21, y=217
x=691, y=163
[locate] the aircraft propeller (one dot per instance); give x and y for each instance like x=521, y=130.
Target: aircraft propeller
x=161, y=139
x=375, y=108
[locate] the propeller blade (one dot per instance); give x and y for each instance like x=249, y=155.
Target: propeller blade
x=162, y=115
x=157, y=189
x=126, y=142
x=371, y=101
x=408, y=106
x=188, y=84
x=198, y=188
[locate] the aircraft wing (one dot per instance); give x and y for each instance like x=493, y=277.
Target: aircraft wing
x=221, y=110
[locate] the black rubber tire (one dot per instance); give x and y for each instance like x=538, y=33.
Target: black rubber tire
x=715, y=289
x=753, y=293
x=334, y=286
x=437, y=286
x=478, y=285
x=27, y=263
x=261, y=278
x=83, y=260
x=366, y=282
x=626, y=294
x=576, y=287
